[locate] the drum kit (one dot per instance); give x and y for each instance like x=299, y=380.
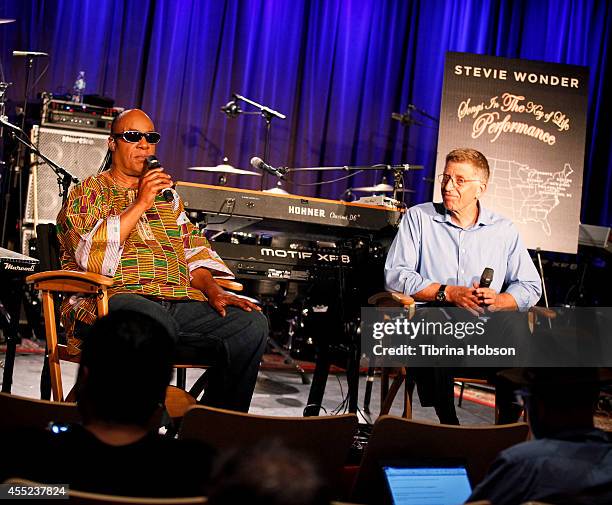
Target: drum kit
x=233, y=110
x=224, y=168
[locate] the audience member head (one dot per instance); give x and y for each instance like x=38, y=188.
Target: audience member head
x=126, y=365
x=558, y=399
x=268, y=473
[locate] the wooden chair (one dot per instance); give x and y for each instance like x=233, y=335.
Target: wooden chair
x=395, y=438
x=399, y=374
x=53, y=281
x=22, y=412
x=389, y=393
x=86, y=498
x=326, y=439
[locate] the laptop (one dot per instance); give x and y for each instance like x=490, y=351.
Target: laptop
x=427, y=483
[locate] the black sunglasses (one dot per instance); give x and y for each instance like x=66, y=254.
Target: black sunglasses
x=133, y=136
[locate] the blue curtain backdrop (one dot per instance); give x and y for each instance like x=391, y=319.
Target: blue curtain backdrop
x=336, y=68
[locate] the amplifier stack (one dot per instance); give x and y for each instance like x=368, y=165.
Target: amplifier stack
x=75, y=137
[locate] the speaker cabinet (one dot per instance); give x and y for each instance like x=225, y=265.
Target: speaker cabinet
x=80, y=153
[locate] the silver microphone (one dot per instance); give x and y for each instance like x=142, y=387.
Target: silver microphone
x=279, y=172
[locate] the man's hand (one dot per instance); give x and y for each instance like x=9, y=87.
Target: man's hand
x=494, y=302
x=486, y=296
x=150, y=185
x=465, y=298
x=218, y=300
x=217, y=297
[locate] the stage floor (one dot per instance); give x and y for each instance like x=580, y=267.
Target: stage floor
x=279, y=392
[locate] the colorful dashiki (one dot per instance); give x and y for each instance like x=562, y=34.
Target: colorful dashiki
x=156, y=260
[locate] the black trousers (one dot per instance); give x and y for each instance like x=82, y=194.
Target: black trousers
x=435, y=385
x=436, y=389
x=233, y=345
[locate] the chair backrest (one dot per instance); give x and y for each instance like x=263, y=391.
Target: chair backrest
x=48, y=247
x=326, y=439
x=21, y=412
x=86, y=498
x=394, y=438
x=48, y=251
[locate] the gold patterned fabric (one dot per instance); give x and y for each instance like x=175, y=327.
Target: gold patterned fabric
x=156, y=259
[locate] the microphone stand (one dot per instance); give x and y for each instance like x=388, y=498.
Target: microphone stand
x=539, y=256
x=64, y=178
x=402, y=167
x=29, y=62
x=268, y=114
x=3, y=88
x=398, y=173
x=20, y=152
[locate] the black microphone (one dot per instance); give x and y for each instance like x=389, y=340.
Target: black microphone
x=231, y=109
x=153, y=162
x=262, y=165
x=421, y=111
x=405, y=118
x=486, y=278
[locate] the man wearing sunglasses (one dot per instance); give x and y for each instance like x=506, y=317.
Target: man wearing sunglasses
x=439, y=254
x=118, y=224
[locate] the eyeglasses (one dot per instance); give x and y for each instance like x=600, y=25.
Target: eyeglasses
x=133, y=136
x=457, y=181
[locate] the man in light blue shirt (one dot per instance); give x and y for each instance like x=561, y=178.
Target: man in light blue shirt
x=440, y=251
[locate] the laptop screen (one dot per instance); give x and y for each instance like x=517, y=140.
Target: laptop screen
x=428, y=485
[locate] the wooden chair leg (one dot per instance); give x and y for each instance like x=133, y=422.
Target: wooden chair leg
x=384, y=382
x=181, y=378
x=199, y=385
x=408, y=391
x=388, y=399
x=461, y=394
x=45, y=379
x=368, y=389
x=51, y=336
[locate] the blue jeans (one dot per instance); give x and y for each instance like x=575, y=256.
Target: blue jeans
x=233, y=345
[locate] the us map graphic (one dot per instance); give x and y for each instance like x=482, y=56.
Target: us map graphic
x=525, y=194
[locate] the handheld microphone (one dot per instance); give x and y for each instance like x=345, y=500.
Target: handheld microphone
x=262, y=165
x=486, y=278
x=30, y=54
x=153, y=162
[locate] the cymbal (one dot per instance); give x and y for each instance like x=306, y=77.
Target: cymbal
x=379, y=188
x=278, y=191
x=5, y=21
x=382, y=188
x=226, y=169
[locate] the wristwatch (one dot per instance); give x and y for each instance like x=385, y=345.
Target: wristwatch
x=441, y=295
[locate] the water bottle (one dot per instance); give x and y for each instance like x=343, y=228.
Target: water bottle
x=78, y=90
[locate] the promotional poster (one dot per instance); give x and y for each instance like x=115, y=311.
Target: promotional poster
x=529, y=119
